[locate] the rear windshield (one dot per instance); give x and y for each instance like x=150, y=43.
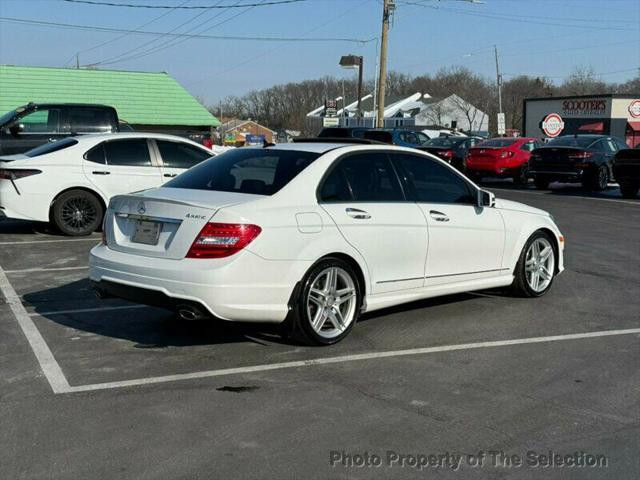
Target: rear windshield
x=571, y=141
x=498, y=142
x=246, y=170
x=444, y=142
x=51, y=147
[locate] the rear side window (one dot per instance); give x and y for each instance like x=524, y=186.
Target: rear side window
x=51, y=147
x=499, y=142
x=432, y=182
x=133, y=152
x=528, y=146
x=181, y=155
x=571, y=141
x=246, y=170
x=365, y=177
x=90, y=120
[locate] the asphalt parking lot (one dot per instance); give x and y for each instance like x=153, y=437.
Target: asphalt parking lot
x=106, y=389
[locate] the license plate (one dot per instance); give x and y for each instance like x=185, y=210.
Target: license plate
x=146, y=232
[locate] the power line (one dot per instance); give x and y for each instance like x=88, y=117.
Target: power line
x=180, y=35
x=514, y=18
x=184, y=7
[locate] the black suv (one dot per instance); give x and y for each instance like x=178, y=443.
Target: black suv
x=582, y=158
x=35, y=124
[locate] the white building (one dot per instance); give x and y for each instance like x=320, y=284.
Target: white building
x=453, y=112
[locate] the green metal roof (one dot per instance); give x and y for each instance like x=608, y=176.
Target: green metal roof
x=139, y=97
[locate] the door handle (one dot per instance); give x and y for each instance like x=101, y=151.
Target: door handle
x=357, y=214
x=438, y=216
x=101, y=172
x=170, y=175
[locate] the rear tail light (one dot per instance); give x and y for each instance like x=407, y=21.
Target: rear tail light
x=207, y=142
x=15, y=173
x=446, y=153
x=218, y=240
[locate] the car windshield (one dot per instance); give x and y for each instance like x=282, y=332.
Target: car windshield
x=246, y=170
x=444, y=142
x=51, y=147
x=498, y=142
x=571, y=141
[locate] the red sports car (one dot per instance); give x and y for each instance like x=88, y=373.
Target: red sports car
x=504, y=157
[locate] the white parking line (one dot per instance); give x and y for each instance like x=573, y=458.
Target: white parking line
x=345, y=359
x=48, y=364
x=29, y=242
x=52, y=269
x=614, y=200
x=87, y=310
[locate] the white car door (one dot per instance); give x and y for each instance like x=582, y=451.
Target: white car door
x=465, y=241
x=363, y=196
x=175, y=156
x=121, y=166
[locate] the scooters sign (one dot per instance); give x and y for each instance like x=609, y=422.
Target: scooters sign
x=552, y=125
x=634, y=108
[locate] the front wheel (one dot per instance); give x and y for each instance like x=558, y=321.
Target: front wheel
x=520, y=177
x=541, y=183
x=77, y=213
x=328, y=304
x=536, y=266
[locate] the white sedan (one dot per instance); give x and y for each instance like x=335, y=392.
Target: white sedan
x=310, y=235
x=70, y=182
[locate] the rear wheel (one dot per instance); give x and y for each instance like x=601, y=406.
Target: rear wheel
x=629, y=190
x=597, y=180
x=328, y=304
x=77, y=213
x=541, y=183
x=520, y=177
x=536, y=266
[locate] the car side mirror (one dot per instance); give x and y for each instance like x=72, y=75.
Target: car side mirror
x=486, y=199
x=16, y=129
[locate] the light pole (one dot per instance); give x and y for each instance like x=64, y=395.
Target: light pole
x=355, y=61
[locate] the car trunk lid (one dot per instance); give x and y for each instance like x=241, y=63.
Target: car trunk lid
x=164, y=222
x=556, y=158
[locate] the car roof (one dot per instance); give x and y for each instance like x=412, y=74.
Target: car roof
x=315, y=147
x=116, y=135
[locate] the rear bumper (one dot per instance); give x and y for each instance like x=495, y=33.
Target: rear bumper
x=244, y=287
x=23, y=205
x=575, y=175
x=492, y=170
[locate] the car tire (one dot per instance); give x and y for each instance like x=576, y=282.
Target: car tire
x=598, y=180
x=541, y=183
x=520, y=177
x=529, y=263
x=313, y=318
x=629, y=190
x=77, y=213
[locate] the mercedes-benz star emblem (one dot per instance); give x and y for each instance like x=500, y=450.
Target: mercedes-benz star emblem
x=141, y=208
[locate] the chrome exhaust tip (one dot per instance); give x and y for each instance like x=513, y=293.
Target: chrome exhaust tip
x=189, y=313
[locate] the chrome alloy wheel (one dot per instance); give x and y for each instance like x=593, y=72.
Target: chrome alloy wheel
x=78, y=213
x=331, y=302
x=539, y=264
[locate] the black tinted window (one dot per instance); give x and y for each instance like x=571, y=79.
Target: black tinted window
x=96, y=154
x=371, y=178
x=246, y=170
x=571, y=141
x=432, y=182
x=134, y=152
x=90, y=120
x=181, y=155
x=44, y=120
x=335, y=188
x=51, y=147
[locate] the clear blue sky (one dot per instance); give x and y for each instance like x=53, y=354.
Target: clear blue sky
x=535, y=37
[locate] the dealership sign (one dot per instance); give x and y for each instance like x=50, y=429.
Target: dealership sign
x=588, y=107
x=634, y=108
x=552, y=125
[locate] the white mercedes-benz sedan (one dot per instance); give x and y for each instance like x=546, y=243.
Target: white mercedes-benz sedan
x=312, y=234
x=69, y=182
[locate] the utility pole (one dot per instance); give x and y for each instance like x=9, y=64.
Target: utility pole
x=387, y=8
x=78, y=61
x=501, y=119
